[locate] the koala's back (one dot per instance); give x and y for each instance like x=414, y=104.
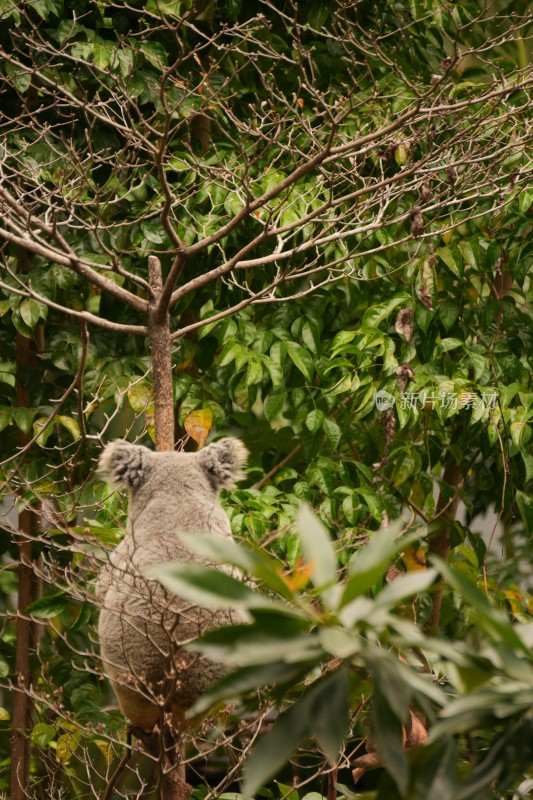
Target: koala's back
x=142, y=627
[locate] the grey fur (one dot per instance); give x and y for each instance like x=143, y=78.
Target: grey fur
x=141, y=626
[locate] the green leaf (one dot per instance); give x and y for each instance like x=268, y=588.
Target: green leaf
x=405, y=586
x=42, y=734
x=388, y=737
x=23, y=418
x=317, y=550
x=42, y=428
x=448, y=312
x=449, y=344
x=5, y=417
x=70, y=425
x=311, y=337
x=314, y=420
x=494, y=623
x=273, y=405
x=31, y=311
x=436, y=776
x=371, y=561
x=246, y=645
x=50, y=606
x=275, y=748
x=224, y=549
x=331, y=712
x=247, y=679
x=525, y=201
x=301, y=359
x=403, y=468
x=525, y=506
x=207, y=586
x=314, y=713
x=447, y=256
x=374, y=315
x=333, y=432
x=387, y=678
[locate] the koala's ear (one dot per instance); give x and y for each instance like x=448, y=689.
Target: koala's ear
x=125, y=464
x=223, y=462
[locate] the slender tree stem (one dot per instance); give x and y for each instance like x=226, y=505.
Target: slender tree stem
x=161, y=355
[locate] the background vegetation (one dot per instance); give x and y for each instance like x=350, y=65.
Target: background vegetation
x=258, y=217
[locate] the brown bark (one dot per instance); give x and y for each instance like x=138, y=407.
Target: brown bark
x=440, y=544
x=161, y=356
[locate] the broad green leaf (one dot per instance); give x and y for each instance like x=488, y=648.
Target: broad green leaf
x=387, y=678
x=436, y=776
x=275, y=748
x=403, y=468
x=49, y=606
x=247, y=645
x=332, y=431
x=492, y=621
x=311, y=337
x=5, y=417
x=372, y=560
x=525, y=506
x=405, y=586
x=301, y=359
x=448, y=312
x=247, y=679
x=207, y=586
x=42, y=734
x=387, y=736
x=520, y=433
x=314, y=420
x=331, y=712
x=322, y=711
x=318, y=551
x=273, y=405
x=224, y=549
x=449, y=258
x=23, y=418
x=42, y=427
x=140, y=396
x=374, y=315
x=449, y=344
x=70, y=424
x=31, y=311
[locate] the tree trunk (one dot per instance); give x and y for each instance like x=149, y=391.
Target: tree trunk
x=171, y=784
x=440, y=544
x=161, y=356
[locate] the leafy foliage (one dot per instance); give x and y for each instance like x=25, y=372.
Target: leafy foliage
x=342, y=195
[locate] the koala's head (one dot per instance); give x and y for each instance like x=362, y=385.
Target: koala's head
x=217, y=466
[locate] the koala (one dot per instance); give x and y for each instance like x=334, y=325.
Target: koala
x=142, y=627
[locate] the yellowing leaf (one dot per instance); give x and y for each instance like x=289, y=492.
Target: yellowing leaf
x=4, y=714
x=106, y=749
x=414, y=559
x=198, y=424
x=299, y=577
x=139, y=397
x=67, y=744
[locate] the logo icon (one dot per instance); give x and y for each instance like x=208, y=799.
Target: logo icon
x=384, y=400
